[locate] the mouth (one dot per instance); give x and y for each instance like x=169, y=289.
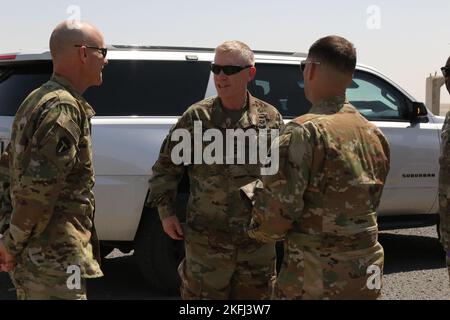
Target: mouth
x=222, y=86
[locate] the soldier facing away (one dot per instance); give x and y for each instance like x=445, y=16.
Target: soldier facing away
x=221, y=261
x=322, y=202
x=444, y=176
x=51, y=234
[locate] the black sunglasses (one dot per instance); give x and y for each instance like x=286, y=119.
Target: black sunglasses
x=446, y=71
x=305, y=62
x=228, y=70
x=104, y=51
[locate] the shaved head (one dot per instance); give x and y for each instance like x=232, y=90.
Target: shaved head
x=67, y=34
x=78, y=53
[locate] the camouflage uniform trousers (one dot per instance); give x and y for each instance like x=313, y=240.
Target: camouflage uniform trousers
x=33, y=284
x=223, y=270
x=444, y=208
x=330, y=274
x=448, y=266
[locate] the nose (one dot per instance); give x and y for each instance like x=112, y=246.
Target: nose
x=222, y=74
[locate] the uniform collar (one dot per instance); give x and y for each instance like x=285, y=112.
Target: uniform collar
x=63, y=82
x=249, y=115
x=329, y=106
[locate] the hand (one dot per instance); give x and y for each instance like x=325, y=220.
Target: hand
x=172, y=227
x=7, y=261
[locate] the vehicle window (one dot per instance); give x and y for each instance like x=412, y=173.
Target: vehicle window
x=376, y=99
x=167, y=88
x=149, y=88
x=130, y=87
x=18, y=81
x=282, y=87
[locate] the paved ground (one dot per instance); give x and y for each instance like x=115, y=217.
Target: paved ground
x=414, y=269
x=414, y=265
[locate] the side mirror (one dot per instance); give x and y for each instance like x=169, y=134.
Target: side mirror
x=418, y=112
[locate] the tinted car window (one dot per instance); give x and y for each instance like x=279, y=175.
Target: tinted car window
x=130, y=87
x=17, y=82
x=376, y=99
x=167, y=88
x=282, y=86
x=149, y=88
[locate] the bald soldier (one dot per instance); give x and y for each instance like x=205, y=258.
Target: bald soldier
x=444, y=175
x=322, y=202
x=50, y=244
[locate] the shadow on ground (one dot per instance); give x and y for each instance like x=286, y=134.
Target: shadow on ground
x=122, y=281
x=404, y=253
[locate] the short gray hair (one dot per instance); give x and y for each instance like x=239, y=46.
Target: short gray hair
x=237, y=46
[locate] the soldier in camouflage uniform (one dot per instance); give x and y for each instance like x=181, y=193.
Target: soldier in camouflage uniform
x=5, y=199
x=50, y=235
x=444, y=176
x=322, y=202
x=221, y=261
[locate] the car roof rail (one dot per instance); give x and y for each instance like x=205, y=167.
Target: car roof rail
x=158, y=48
x=201, y=49
x=300, y=54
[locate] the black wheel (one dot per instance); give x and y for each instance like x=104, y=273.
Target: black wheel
x=105, y=249
x=157, y=255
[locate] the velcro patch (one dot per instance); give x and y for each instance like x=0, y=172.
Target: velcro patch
x=63, y=146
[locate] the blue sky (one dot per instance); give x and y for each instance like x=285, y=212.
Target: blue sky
x=406, y=40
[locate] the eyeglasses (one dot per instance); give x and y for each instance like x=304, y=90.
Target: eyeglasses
x=305, y=62
x=446, y=71
x=228, y=70
x=104, y=51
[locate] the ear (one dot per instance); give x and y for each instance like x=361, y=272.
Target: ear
x=311, y=71
x=251, y=74
x=348, y=80
x=82, y=54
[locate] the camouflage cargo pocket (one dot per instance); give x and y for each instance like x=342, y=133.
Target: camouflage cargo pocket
x=191, y=288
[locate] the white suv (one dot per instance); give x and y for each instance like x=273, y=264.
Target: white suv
x=146, y=89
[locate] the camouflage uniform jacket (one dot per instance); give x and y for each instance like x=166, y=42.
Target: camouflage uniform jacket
x=51, y=182
x=5, y=199
x=333, y=166
x=215, y=206
x=444, y=185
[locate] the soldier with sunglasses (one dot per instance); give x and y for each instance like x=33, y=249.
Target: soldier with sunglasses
x=49, y=242
x=323, y=200
x=221, y=261
x=444, y=176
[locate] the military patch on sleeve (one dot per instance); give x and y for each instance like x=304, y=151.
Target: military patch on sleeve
x=63, y=146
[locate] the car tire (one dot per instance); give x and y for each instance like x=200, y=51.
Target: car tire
x=157, y=255
x=105, y=249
